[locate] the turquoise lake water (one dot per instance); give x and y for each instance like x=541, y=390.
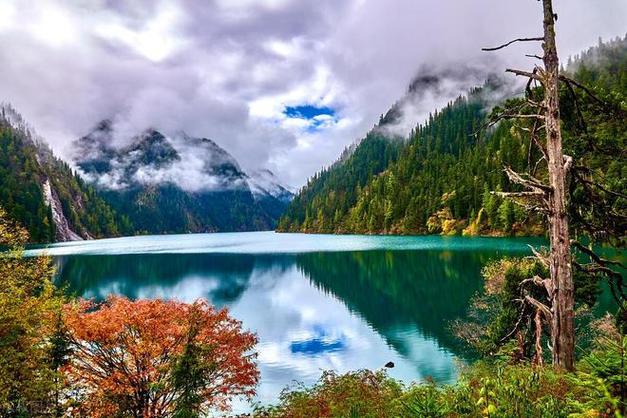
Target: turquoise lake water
x=316, y=302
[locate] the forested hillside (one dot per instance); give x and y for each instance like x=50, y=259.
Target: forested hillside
x=43, y=193
x=440, y=180
x=330, y=194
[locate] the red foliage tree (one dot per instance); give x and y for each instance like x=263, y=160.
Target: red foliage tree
x=124, y=354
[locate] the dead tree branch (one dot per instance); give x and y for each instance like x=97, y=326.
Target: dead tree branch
x=595, y=256
x=539, y=281
x=533, y=75
x=539, y=305
x=585, y=89
x=518, y=322
x=496, y=48
x=543, y=258
x=530, y=182
x=568, y=162
x=578, y=169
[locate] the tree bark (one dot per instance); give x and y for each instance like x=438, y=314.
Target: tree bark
x=538, y=360
x=562, y=327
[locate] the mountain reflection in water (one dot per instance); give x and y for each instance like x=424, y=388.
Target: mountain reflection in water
x=340, y=310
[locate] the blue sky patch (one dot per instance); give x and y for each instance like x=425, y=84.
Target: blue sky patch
x=308, y=111
x=318, y=117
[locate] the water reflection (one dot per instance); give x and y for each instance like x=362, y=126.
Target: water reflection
x=313, y=311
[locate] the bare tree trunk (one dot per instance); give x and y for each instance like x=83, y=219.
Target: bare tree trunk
x=562, y=327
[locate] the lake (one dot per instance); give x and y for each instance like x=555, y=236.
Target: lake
x=316, y=302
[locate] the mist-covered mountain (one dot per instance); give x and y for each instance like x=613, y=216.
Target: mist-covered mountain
x=178, y=184
x=438, y=178
x=153, y=184
x=42, y=192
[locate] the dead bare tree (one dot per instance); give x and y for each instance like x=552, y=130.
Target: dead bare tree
x=548, y=197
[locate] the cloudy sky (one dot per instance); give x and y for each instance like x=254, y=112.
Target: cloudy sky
x=282, y=84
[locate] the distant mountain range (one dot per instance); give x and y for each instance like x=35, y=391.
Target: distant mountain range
x=154, y=184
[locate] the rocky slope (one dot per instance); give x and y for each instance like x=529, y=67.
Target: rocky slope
x=43, y=193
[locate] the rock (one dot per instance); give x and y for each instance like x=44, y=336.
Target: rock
x=63, y=231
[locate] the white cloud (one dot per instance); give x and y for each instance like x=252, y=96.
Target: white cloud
x=227, y=69
x=155, y=40
x=245, y=9
x=7, y=15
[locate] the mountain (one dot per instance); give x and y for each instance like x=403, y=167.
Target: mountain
x=268, y=192
x=178, y=184
x=264, y=183
x=154, y=184
x=43, y=193
x=439, y=179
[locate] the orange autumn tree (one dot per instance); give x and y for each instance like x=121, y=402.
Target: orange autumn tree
x=132, y=358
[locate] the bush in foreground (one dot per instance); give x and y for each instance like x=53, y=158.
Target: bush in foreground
x=485, y=389
x=29, y=312
x=356, y=394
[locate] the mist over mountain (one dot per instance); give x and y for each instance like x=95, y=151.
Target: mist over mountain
x=172, y=184
x=264, y=182
x=150, y=183
x=433, y=87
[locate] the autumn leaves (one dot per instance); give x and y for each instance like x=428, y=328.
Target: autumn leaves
x=145, y=358
x=152, y=358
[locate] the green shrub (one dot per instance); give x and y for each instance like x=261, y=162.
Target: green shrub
x=485, y=389
x=363, y=394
